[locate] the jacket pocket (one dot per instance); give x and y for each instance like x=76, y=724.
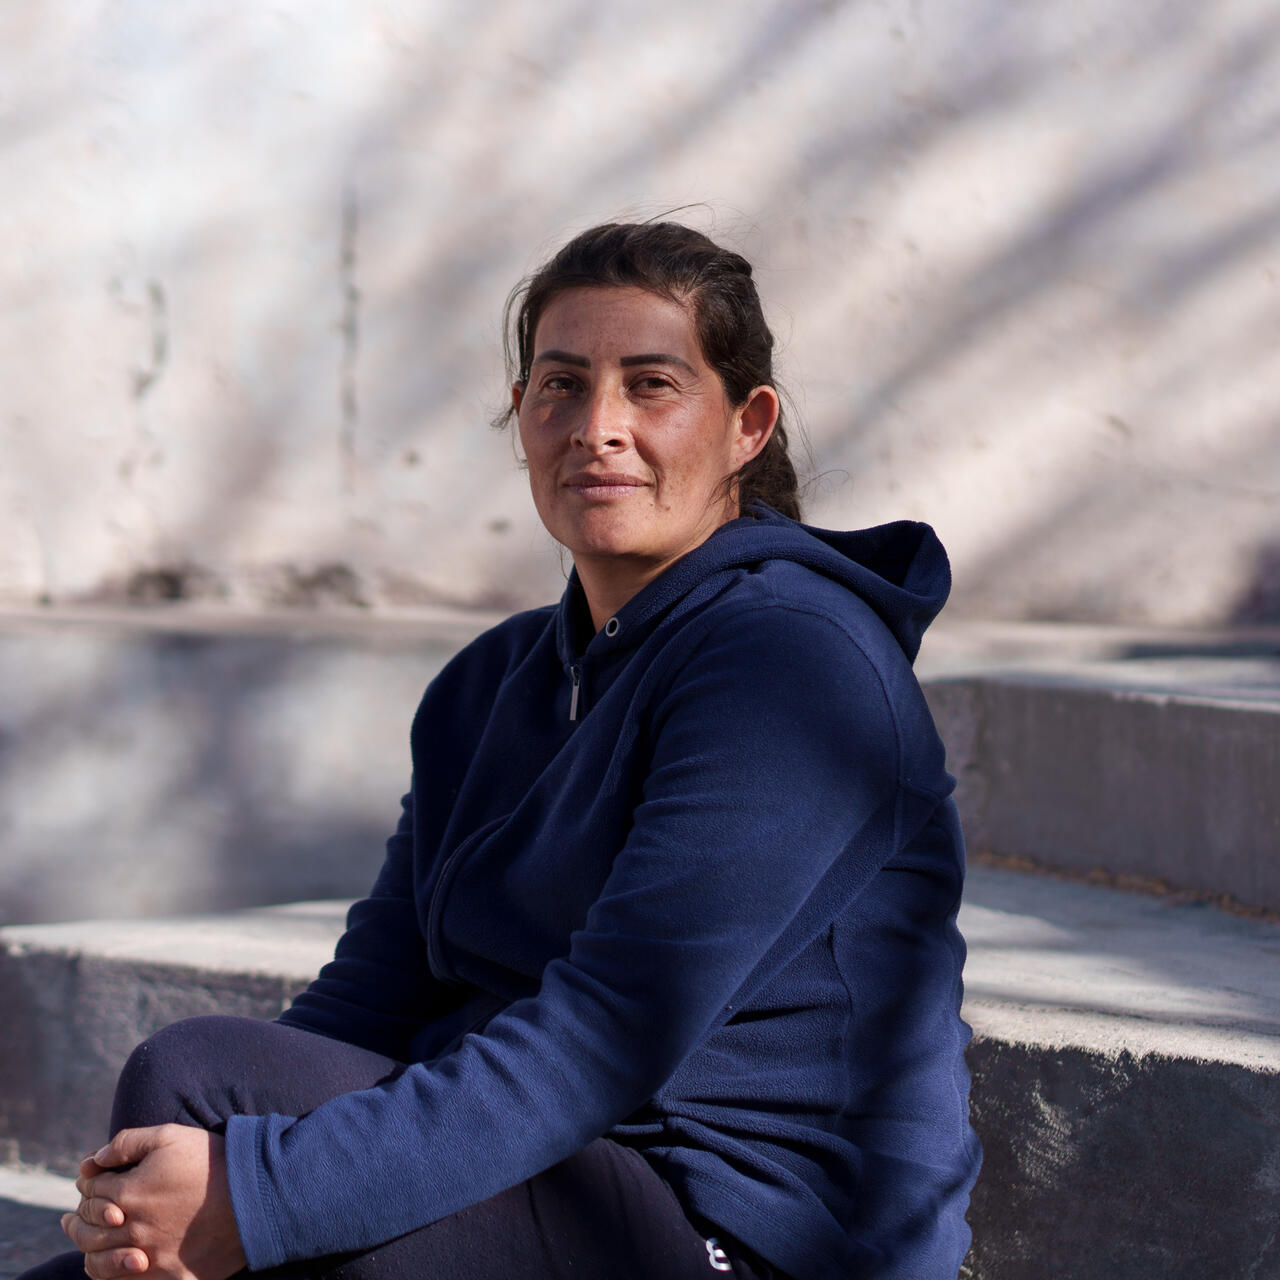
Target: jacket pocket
x=440, y=967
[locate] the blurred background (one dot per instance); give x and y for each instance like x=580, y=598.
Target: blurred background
x=1023, y=262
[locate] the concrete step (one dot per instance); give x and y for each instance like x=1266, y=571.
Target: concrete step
x=1126, y=1061
x=1152, y=756
x=156, y=762
x=76, y=997
x=31, y=1203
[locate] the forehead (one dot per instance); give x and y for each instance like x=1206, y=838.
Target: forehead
x=603, y=322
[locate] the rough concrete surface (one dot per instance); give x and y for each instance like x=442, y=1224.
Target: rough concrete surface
x=1123, y=1167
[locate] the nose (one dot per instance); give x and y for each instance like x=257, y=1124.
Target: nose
x=603, y=426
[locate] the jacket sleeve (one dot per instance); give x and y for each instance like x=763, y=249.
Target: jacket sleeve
x=774, y=769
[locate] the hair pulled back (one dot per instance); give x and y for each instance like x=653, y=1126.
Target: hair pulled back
x=675, y=262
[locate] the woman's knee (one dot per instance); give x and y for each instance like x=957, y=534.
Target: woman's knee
x=204, y=1070
x=180, y=1074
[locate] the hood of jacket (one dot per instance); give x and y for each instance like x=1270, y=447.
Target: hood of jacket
x=899, y=569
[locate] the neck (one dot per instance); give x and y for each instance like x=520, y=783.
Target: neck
x=610, y=580
x=609, y=585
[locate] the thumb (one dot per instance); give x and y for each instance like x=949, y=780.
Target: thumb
x=127, y=1147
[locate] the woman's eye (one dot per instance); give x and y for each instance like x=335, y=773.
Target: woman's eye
x=653, y=382
x=560, y=382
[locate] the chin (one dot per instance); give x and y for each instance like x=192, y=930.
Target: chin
x=619, y=549
x=606, y=537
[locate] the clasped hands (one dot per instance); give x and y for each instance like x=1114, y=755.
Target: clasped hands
x=157, y=1201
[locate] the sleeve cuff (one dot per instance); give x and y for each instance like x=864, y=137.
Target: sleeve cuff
x=246, y=1140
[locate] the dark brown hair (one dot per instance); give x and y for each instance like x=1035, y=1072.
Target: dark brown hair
x=675, y=262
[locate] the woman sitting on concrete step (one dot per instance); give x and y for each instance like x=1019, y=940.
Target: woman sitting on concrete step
x=660, y=977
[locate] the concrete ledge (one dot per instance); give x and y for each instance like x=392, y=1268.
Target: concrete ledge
x=1126, y=1061
x=1122, y=1167
x=158, y=762
x=76, y=998
x=37, y=1189
x=1145, y=759
x=168, y=761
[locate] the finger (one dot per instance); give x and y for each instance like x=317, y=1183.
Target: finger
x=103, y=1186
x=100, y=1212
x=90, y=1239
x=128, y=1147
x=114, y=1263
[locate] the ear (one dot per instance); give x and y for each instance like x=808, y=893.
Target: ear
x=756, y=418
x=517, y=394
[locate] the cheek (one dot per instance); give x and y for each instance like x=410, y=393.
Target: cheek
x=704, y=464
x=542, y=469
x=541, y=432
x=531, y=450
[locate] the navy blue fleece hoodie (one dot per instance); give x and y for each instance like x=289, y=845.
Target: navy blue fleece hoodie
x=691, y=882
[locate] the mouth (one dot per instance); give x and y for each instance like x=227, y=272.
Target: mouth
x=603, y=485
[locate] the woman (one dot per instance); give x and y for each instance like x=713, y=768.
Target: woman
x=666, y=935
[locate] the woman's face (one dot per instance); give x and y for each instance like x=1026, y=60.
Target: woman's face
x=628, y=432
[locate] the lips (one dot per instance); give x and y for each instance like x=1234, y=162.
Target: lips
x=603, y=484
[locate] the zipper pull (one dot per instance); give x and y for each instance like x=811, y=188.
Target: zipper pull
x=575, y=674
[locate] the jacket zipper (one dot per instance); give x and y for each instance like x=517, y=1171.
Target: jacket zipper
x=575, y=674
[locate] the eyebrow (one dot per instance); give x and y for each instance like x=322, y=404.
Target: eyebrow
x=556, y=356
x=656, y=357
x=562, y=357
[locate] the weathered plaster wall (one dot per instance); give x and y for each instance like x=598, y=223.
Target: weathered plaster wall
x=1024, y=261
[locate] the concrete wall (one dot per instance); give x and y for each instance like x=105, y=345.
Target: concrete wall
x=1023, y=261
x=148, y=769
